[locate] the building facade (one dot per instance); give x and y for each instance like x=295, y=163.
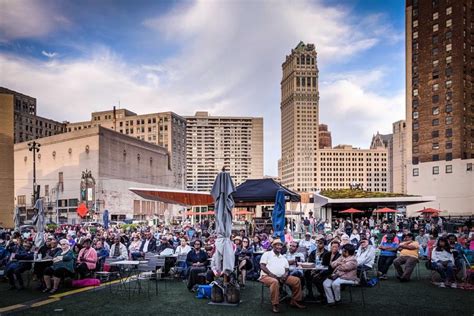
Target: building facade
x=116, y=162
x=398, y=158
x=325, y=139
x=216, y=141
x=165, y=129
x=6, y=158
x=299, y=118
x=440, y=102
x=27, y=124
x=344, y=166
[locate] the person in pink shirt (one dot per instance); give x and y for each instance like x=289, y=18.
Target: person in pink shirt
x=87, y=259
x=288, y=236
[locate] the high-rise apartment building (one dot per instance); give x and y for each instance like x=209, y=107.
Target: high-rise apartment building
x=440, y=102
x=299, y=118
x=344, y=166
x=27, y=124
x=165, y=129
x=325, y=140
x=217, y=141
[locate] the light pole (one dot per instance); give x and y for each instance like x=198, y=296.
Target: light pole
x=34, y=147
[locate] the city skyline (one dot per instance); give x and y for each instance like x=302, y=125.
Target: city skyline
x=170, y=57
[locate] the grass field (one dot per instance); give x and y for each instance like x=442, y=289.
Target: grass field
x=391, y=298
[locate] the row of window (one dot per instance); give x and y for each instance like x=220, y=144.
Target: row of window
x=435, y=169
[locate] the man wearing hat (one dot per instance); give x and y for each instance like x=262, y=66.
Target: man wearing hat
x=274, y=272
x=307, y=243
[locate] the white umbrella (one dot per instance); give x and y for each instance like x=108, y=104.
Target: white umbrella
x=221, y=192
x=39, y=222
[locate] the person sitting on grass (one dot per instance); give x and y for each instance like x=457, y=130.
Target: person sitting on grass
x=196, y=261
x=408, y=257
x=442, y=260
x=274, y=272
x=15, y=269
x=388, y=253
x=87, y=259
x=63, y=266
x=345, y=272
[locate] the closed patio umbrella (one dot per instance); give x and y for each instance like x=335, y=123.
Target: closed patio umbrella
x=223, y=203
x=278, y=216
x=39, y=222
x=16, y=218
x=105, y=218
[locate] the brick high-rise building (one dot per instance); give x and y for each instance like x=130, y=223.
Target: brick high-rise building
x=299, y=118
x=325, y=140
x=440, y=102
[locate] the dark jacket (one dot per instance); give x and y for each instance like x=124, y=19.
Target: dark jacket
x=163, y=246
x=194, y=257
x=327, y=260
x=151, y=245
x=312, y=257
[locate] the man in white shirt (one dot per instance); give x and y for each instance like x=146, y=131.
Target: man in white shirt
x=274, y=271
x=293, y=258
x=365, y=258
x=307, y=243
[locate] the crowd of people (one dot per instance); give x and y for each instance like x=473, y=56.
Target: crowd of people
x=349, y=251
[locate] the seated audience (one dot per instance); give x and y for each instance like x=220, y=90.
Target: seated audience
x=408, y=257
x=118, y=250
x=274, y=272
x=442, y=261
x=87, y=259
x=365, y=259
x=244, y=259
x=14, y=268
x=388, y=253
x=345, y=272
x=63, y=266
x=197, y=263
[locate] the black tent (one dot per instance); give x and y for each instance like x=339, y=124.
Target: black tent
x=262, y=190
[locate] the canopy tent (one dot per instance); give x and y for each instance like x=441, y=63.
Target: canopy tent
x=262, y=191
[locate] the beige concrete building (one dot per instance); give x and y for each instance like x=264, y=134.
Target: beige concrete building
x=6, y=160
x=217, y=141
x=299, y=118
x=440, y=104
x=27, y=124
x=116, y=161
x=344, y=166
x=398, y=158
x=165, y=129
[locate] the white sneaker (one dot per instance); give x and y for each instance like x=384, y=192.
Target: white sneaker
x=441, y=284
x=454, y=285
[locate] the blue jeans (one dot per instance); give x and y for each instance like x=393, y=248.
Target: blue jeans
x=445, y=270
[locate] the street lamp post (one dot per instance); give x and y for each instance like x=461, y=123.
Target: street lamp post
x=34, y=147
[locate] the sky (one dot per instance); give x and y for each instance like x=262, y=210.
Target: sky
x=224, y=57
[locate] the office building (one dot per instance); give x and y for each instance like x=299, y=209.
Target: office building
x=325, y=140
x=440, y=103
x=217, y=141
x=165, y=129
x=299, y=118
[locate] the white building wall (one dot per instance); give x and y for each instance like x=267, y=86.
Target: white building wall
x=454, y=191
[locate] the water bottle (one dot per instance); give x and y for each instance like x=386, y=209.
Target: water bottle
x=318, y=261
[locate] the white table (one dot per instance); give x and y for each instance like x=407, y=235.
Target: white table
x=127, y=274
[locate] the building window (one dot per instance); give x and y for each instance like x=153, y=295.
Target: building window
x=449, y=59
x=435, y=63
x=449, y=23
x=469, y=166
x=415, y=126
x=449, y=47
x=436, y=170
x=449, y=145
x=416, y=172
x=435, y=146
x=448, y=35
x=415, y=160
x=449, y=168
x=435, y=16
x=449, y=156
x=435, y=122
x=449, y=10
x=415, y=115
x=435, y=110
x=435, y=28
x=435, y=157
x=415, y=35
x=415, y=23
x=435, y=98
x=449, y=84
x=435, y=134
x=435, y=87
x=449, y=120
x=449, y=132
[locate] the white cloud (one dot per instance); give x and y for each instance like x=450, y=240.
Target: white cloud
x=229, y=62
x=48, y=54
x=28, y=19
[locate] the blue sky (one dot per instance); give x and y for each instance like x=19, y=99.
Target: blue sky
x=76, y=57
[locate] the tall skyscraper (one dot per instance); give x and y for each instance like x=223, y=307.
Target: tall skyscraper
x=440, y=102
x=216, y=141
x=299, y=118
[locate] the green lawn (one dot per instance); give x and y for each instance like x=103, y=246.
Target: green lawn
x=391, y=297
